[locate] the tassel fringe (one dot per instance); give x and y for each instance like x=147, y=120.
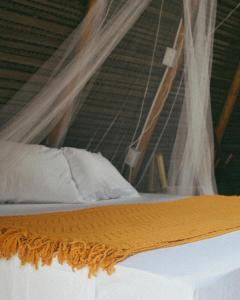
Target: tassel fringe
x=37, y=250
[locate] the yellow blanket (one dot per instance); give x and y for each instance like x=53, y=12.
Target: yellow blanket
x=100, y=237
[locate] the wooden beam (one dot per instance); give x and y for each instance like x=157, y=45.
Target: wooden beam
x=65, y=118
x=228, y=106
x=158, y=102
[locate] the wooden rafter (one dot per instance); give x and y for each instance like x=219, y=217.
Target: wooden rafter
x=158, y=103
x=228, y=106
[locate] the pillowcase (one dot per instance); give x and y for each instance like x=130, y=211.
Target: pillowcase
x=38, y=174
x=95, y=177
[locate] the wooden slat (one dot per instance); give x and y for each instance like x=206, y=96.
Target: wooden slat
x=17, y=34
x=20, y=59
x=34, y=22
x=65, y=16
x=54, y=8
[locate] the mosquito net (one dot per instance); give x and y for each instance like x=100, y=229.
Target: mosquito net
x=170, y=92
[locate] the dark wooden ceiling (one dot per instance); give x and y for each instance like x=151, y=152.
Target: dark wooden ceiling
x=31, y=30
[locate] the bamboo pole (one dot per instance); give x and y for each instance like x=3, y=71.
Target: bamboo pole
x=158, y=102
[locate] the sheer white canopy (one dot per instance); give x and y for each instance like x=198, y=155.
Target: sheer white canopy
x=191, y=168
x=42, y=110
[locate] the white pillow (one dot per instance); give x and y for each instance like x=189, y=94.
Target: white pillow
x=95, y=177
x=39, y=174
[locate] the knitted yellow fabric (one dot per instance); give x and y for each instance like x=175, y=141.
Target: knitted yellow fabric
x=100, y=237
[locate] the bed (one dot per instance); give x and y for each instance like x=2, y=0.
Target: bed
x=204, y=270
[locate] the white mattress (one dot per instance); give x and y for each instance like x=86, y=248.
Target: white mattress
x=204, y=270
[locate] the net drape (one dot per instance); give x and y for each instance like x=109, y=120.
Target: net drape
x=60, y=87
x=191, y=169
x=72, y=72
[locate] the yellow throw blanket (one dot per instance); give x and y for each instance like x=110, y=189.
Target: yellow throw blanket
x=102, y=236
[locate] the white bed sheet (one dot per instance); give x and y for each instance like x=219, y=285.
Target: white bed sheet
x=204, y=270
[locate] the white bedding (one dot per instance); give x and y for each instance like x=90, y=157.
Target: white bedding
x=204, y=270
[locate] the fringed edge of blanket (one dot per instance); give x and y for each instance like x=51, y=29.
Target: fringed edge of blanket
x=37, y=249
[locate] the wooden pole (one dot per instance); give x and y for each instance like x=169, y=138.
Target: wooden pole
x=228, y=106
x=158, y=103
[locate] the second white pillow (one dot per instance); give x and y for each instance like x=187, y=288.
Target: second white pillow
x=95, y=177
